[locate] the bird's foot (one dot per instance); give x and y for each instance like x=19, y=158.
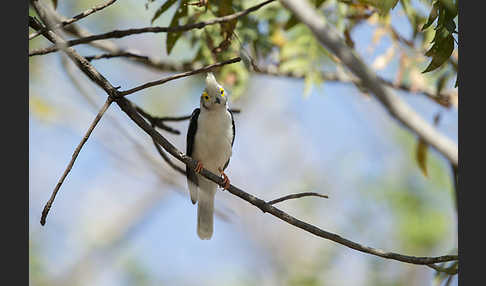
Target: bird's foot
x=226, y=181
x=199, y=167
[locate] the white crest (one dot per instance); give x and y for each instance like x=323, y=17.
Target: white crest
x=211, y=83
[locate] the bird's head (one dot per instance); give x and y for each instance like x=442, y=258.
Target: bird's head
x=214, y=95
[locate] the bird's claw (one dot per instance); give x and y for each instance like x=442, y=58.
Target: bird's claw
x=199, y=167
x=226, y=181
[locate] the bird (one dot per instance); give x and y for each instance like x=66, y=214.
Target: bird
x=209, y=141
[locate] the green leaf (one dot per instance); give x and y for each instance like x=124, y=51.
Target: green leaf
x=162, y=9
x=291, y=22
x=226, y=8
x=383, y=6
x=174, y=36
x=421, y=156
x=450, y=6
x=440, y=52
x=434, y=12
x=450, y=26
x=387, y=5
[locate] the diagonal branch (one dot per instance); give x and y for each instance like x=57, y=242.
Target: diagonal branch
x=130, y=110
x=78, y=17
x=167, y=159
x=89, y=70
x=394, y=104
x=100, y=114
x=128, y=32
x=81, y=62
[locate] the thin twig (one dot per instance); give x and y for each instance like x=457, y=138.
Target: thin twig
x=117, y=55
x=176, y=76
x=443, y=99
x=48, y=205
x=81, y=62
x=76, y=18
x=156, y=122
x=128, y=32
x=296, y=196
x=167, y=159
x=160, y=121
x=128, y=108
x=452, y=270
x=113, y=51
x=89, y=70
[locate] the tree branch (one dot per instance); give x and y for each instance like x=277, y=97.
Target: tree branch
x=296, y=196
x=128, y=32
x=130, y=110
x=451, y=270
x=113, y=51
x=176, y=76
x=100, y=114
x=160, y=121
x=86, y=67
x=395, y=106
x=443, y=99
x=78, y=17
x=156, y=122
x=81, y=62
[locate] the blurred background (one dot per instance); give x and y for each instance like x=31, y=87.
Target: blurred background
x=124, y=217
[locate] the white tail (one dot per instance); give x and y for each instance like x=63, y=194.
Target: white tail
x=205, y=208
x=192, y=191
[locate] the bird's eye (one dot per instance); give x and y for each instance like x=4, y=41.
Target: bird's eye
x=222, y=92
x=205, y=96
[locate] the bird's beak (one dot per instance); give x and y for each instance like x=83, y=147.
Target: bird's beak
x=217, y=100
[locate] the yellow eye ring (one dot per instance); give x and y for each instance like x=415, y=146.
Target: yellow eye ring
x=222, y=92
x=205, y=96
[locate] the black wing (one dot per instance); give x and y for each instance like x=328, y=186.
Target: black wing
x=191, y=134
x=232, y=140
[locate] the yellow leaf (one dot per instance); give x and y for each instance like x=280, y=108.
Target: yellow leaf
x=40, y=108
x=421, y=156
x=278, y=38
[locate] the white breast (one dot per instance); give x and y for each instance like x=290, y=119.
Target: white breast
x=212, y=143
